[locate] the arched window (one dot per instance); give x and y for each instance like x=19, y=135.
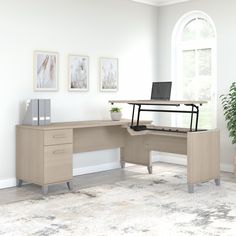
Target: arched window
x=194, y=66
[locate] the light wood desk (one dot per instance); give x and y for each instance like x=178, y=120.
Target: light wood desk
x=200, y=146
x=44, y=153
x=201, y=150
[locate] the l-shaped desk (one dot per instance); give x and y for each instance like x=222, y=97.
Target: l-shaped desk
x=44, y=153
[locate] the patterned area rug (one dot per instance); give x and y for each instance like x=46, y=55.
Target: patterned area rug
x=155, y=204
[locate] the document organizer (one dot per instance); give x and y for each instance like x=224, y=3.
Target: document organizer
x=38, y=112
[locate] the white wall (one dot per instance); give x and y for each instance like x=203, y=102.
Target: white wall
x=224, y=17
x=108, y=28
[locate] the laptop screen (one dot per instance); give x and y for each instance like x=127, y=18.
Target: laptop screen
x=161, y=90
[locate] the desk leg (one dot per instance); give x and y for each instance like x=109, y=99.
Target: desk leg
x=122, y=158
x=197, y=116
x=149, y=169
x=217, y=182
x=191, y=188
x=139, y=108
x=122, y=164
x=132, y=121
x=69, y=185
x=45, y=189
x=191, y=122
x=19, y=182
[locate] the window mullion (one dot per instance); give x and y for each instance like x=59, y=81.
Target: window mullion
x=196, y=70
x=195, y=44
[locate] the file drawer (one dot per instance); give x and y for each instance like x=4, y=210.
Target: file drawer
x=60, y=136
x=57, y=163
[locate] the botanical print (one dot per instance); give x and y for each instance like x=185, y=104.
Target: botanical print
x=109, y=74
x=78, y=73
x=45, y=71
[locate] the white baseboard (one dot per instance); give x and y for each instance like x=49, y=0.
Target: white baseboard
x=178, y=160
x=97, y=168
x=7, y=183
x=169, y=159
x=227, y=168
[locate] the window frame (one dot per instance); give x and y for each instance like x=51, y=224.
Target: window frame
x=177, y=48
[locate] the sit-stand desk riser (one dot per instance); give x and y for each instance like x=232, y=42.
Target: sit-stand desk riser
x=44, y=153
x=193, y=104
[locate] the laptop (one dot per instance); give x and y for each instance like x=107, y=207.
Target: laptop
x=161, y=90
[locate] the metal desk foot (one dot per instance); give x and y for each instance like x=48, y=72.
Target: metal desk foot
x=122, y=164
x=217, y=182
x=69, y=185
x=149, y=169
x=45, y=189
x=190, y=188
x=19, y=182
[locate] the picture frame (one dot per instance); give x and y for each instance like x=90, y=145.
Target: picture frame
x=78, y=73
x=109, y=74
x=45, y=71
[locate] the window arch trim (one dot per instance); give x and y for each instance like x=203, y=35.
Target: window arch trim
x=177, y=45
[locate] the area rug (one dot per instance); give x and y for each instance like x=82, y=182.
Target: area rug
x=155, y=205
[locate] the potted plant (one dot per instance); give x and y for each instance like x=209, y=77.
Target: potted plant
x=229, y=107
x=116, y=113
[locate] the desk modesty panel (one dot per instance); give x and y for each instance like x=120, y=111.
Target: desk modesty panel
x=44, y=154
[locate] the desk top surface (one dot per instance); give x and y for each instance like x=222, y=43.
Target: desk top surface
x=158, y=102
x=80, y=124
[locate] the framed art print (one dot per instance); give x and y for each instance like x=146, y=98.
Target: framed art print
x=78, y=73
x=45, y=71
x=109, y=74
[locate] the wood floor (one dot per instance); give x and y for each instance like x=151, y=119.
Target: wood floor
x=31, y=191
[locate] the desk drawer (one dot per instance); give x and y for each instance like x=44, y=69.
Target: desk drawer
x=57, y=163
x=60, y=136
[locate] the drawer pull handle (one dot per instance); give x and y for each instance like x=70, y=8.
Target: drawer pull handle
x=58, y=136
x=58, y=152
